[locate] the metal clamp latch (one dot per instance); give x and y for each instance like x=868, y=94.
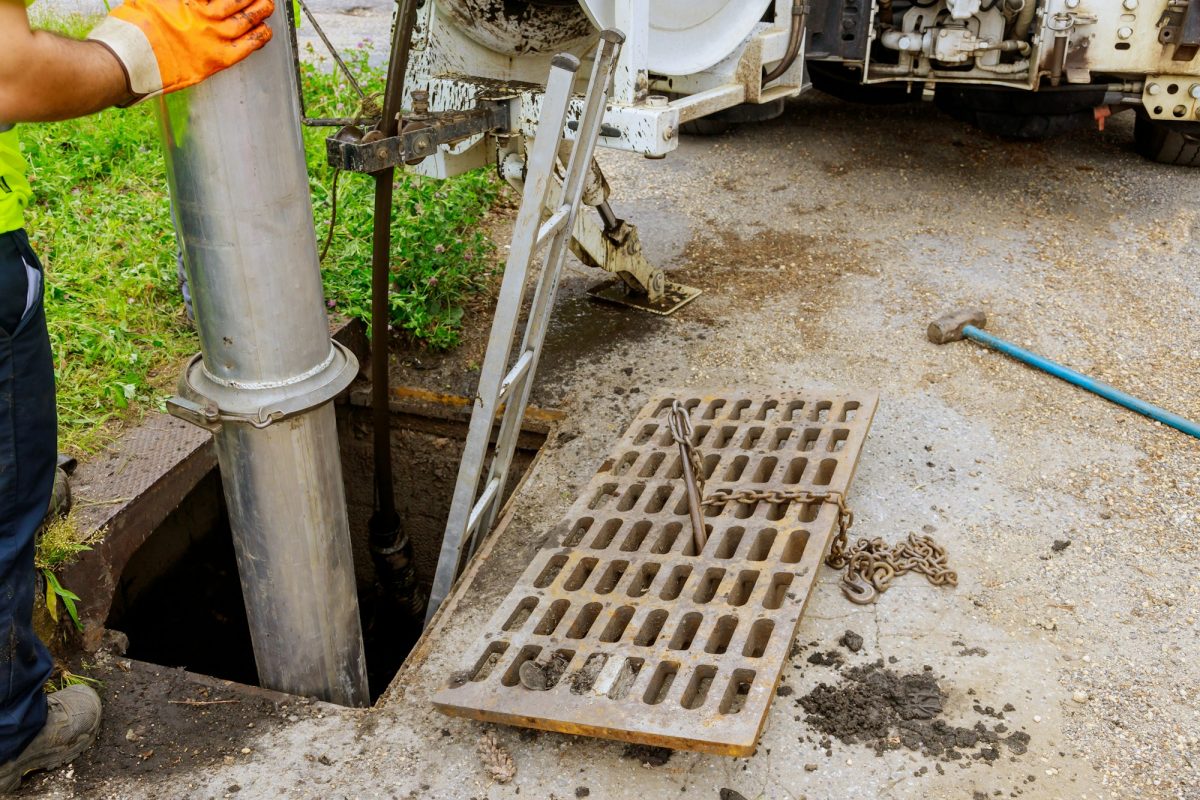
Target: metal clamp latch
x=209, y=404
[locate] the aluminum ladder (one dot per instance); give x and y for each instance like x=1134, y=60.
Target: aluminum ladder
x=504, y=389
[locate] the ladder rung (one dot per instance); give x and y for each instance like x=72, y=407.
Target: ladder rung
x=515, y=374
x=481, y=505
x=552, y=225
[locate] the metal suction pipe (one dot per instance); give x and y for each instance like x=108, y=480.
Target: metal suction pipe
x=267, y=374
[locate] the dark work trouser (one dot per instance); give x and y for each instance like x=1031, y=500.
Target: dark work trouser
x=28, y=448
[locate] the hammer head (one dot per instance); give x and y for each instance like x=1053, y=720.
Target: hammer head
x=949, y=328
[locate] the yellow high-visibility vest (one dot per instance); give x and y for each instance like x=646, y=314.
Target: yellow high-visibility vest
x=14, y=186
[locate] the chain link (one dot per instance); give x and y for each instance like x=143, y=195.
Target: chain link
x=680, y=424
x=871, y=564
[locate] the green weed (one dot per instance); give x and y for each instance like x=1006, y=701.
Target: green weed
x=65, y=677
x=58, y=543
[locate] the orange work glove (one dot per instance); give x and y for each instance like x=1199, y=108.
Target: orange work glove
x=168, y=45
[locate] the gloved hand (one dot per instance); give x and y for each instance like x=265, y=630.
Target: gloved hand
x=167, y=45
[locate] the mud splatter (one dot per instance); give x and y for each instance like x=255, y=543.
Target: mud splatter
x=885, y=710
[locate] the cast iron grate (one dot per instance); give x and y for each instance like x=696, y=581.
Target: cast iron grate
x=619, y=629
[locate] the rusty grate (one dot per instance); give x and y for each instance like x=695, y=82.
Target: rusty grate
x=619, y=629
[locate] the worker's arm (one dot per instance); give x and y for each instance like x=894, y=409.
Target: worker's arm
x=47, y=77
x=142, y=49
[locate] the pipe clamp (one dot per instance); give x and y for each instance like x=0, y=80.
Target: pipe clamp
x=208, y=404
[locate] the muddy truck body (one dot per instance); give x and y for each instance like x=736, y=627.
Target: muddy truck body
x=1021, y=68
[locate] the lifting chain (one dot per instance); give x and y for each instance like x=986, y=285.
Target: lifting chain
x=871, y=564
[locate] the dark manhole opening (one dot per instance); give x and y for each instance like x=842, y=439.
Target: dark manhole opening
x=179, y=598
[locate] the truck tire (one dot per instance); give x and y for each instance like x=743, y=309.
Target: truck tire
x=1018, y=114
x=1175, y=143
x=705, y=126
x=837, y=80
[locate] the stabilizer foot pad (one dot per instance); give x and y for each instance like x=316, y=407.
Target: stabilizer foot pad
x=674, y=298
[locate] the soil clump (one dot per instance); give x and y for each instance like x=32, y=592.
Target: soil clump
x=884, y=710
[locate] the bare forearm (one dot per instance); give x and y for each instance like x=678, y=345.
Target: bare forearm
x=142, y=49
x=44, y=77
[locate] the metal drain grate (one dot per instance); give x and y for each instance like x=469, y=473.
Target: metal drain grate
x=635, y=636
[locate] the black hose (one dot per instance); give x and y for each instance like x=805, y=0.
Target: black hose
x=795, y=39
x=390, y=547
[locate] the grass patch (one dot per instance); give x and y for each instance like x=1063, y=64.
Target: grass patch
x=440, y=255
x=57, y=545
x=59, y=542
x=100, y=221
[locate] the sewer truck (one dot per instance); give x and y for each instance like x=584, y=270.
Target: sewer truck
x=1022, y=68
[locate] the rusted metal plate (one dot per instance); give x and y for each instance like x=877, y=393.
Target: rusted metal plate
x=635, y=635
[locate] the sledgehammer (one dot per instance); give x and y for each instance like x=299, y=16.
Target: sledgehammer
x=969, y=325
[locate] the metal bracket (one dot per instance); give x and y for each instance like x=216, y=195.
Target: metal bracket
x=353, y=150
x=1187, y=38
x=205, y=415
x=1173, y=98
x=611, y=244
x=618, y=251
x=208, y=403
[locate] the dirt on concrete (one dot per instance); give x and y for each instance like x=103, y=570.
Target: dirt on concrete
x=647, y=755
x=171, y=723
x=886, y=710
x=830, y=658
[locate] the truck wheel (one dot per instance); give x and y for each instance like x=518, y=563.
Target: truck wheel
x=705, y=126
x=1176, y=143
x=1018, y=114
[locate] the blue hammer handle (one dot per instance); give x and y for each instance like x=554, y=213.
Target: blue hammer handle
x=1082, y=381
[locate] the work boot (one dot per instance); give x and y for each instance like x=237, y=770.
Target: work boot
x=72, y=722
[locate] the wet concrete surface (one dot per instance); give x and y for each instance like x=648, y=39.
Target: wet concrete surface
x=826, y=241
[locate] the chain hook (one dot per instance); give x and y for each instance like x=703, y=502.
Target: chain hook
x=858, y=589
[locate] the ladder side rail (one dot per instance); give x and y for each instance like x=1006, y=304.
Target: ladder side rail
x=595, y=103
x=542, y=155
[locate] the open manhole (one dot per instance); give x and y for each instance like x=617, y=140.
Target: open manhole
x=178, y=598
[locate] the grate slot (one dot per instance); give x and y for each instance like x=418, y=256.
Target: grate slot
x=617, y=625
x=722, y=633
x=697, y=689
x=664, y=645
x=521, y=613
x=606, y=534
x=660, y=683
x=739, y=689
x=651, y=627
x=552, y=618
x=488, y=661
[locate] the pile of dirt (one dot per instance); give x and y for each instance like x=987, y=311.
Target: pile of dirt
x=647, y=755
x=884, y=710
x=830, y=658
